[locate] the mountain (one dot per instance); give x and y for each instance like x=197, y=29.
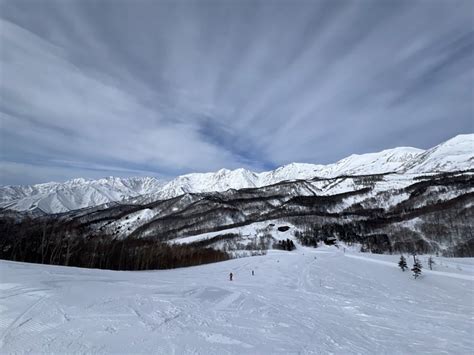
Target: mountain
x=74, y=194
x=221, y=180
x=386, y=161
x=390, y=213
x=452, y=155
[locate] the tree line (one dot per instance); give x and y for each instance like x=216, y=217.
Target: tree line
x=48, y=243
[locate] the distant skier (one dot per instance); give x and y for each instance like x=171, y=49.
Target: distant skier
x=230, y=276
x=252, y=273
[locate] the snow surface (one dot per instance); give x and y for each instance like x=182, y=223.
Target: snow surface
x=251, y=231
x=309, y=301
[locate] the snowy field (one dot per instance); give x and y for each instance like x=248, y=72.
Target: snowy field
x=309, y=301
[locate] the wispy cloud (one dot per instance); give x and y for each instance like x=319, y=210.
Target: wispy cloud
x=172, y=87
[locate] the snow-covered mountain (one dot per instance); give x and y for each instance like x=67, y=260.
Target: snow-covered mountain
x=454, y=154
x=386, y=161
x=221, y=180
x=78, y=193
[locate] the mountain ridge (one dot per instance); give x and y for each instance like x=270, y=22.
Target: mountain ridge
x=455, y=154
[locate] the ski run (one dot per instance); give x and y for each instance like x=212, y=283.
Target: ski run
x=308, y=301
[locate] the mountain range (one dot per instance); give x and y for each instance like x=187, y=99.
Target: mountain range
x=456, y=154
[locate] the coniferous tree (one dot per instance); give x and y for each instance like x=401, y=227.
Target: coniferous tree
x=290, y=245
x=416, y=268
x=403, y=263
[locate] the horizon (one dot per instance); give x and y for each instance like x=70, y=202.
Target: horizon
x=158, y=88
x=168, y=179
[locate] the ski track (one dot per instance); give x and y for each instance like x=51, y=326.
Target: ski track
x=309, y=301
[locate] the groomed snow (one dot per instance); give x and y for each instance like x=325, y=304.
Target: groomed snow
x=309, y=301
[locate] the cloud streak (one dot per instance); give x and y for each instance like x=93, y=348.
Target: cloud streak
x=164, y=88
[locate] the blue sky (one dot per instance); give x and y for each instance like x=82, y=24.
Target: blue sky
x=152, y=87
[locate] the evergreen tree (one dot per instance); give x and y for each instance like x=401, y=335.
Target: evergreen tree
x=431, y=262
x=290, y=245
x=403, y=263
x=416, y=268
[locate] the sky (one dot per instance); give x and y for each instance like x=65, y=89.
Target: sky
x=163, y=88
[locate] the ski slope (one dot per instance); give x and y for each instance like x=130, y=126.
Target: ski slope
x=309, y=301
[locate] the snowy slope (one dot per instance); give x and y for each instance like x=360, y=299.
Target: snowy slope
x=386, y=161
x=454, y=154
x=74, y=194
x=221, y=180
x=309, y=301
x=289, y=172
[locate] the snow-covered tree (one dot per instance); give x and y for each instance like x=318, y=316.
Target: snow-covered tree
x=285, y=245
x=403, y=263
x=431, y=262
x=416, y=268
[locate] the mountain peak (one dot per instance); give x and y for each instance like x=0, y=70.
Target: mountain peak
x=455, y=154
x=77, y=181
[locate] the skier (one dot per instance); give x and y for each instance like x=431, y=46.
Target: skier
x=252, y=273
x=230, y=276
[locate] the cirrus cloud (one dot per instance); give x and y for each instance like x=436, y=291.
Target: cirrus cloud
x=164, y=88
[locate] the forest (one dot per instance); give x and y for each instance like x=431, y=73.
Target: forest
x=434, y=214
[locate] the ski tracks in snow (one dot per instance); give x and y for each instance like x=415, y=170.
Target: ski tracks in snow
x=307, y=301
x=21, y=321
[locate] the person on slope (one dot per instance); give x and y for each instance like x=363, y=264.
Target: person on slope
x=230, y=276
